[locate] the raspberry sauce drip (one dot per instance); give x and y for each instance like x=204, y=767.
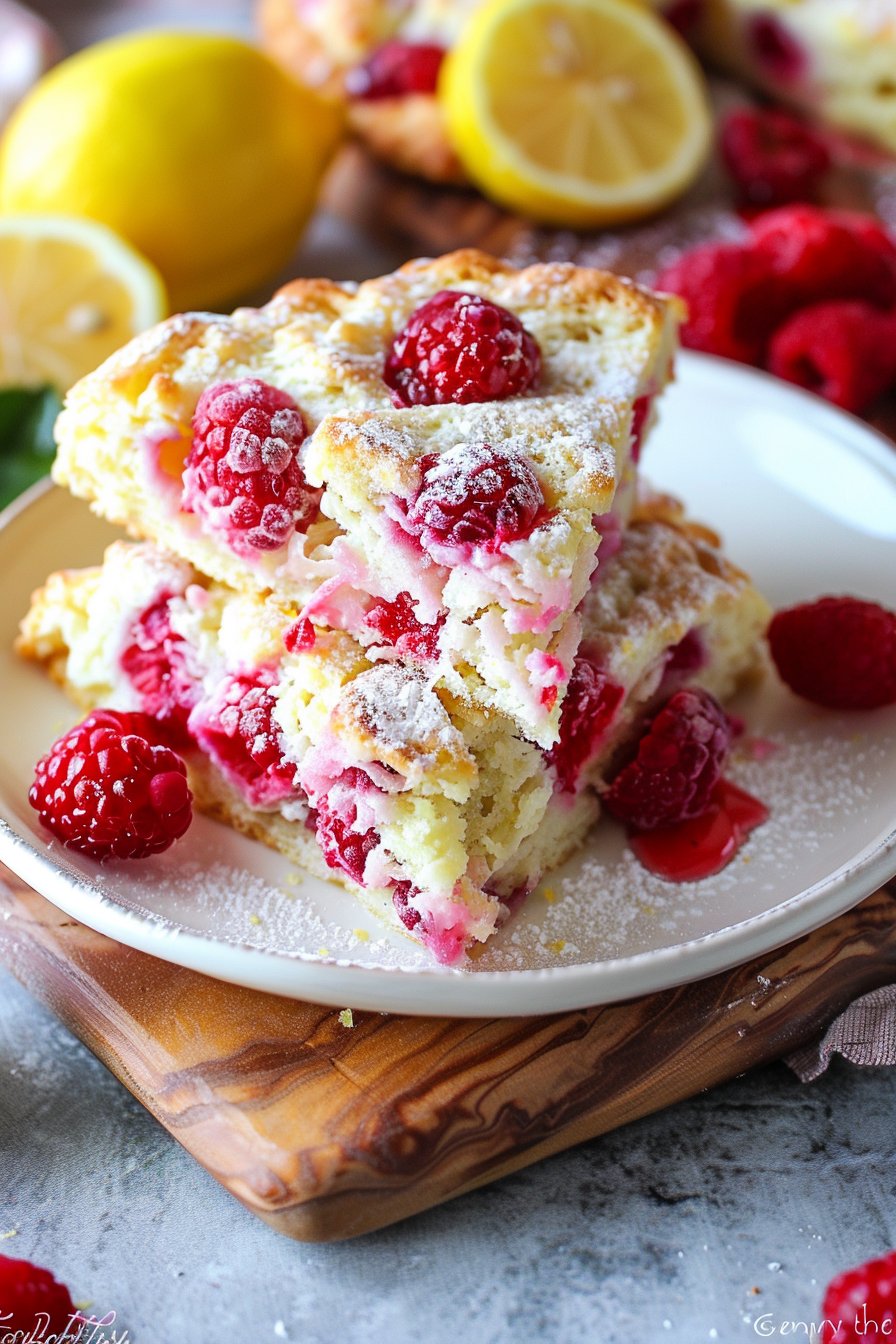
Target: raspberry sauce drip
x=706, y=844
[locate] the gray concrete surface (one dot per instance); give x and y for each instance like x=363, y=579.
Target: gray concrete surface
x=722, y=1218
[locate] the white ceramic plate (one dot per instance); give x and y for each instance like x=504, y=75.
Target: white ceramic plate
x=806, y=499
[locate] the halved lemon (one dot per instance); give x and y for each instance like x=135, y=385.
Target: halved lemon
x=576, y=112
x=71, y=293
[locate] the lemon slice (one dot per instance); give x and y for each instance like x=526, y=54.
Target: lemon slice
x=575, y=112
x=71, y=293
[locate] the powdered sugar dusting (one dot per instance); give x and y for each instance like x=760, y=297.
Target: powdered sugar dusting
x=399, y=707
x=606, y=905
x=244, y=910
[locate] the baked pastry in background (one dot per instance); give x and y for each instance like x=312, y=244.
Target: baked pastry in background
x=833, y=58
x=382, y=60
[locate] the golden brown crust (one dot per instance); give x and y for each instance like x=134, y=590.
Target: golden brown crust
x=390, y=714
x=409, y=134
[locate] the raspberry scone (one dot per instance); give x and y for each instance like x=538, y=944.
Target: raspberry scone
x=382, y=62
x=434, y=810
x=834, y=58
x=429, y=461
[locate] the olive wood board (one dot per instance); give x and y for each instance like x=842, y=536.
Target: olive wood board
x=327, y=1130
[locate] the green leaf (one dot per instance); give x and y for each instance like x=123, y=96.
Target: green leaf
x=27, y=416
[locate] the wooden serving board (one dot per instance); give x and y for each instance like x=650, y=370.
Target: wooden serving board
x=326, y=1130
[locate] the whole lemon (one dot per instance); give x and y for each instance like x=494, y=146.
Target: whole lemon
x=196, y=148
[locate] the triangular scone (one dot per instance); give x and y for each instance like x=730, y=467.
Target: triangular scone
x=502, y=622
x=606, y=350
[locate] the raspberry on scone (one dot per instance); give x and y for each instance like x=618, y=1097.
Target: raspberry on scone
x=461, y=347
x=242, y=477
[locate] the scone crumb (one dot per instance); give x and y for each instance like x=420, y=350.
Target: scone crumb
x=361, y=934
x=345, y=1017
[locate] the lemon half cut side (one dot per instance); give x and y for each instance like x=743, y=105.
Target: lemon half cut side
x=71, y=293
x=576, y=112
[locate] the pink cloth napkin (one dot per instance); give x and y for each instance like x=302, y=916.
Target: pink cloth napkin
x=864, y=1034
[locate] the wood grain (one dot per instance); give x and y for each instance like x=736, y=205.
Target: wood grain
x=327, y=1131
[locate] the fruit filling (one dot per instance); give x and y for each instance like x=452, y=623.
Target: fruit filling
x=236, y=728
x=106, y=789
x=156, y=664
x=395, y=70
x=589, y=709
x=342, y=844
x=462, y=348
x=396, y=623
x=706, y=844
x=243, y=478
x=445, y=937
x=640, y=414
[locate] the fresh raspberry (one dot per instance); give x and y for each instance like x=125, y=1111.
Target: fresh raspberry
x=680, y=758
x=472, y=495
x=772, y=155
x=861, y=1303
x=105, y=790
x=237, y=729
x=243, y=476
x=156, y=666
x=797, y=255
x=844, y=351
x=588, y=710
x=459, y=347
x=395, y=70
x=775, y=50
x=733, y=306
x=337, y=812
x=839, y=652
x=300, y=637
x=684, y=15
x=815, y=255
x=28, y=1295
x=396, y=623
